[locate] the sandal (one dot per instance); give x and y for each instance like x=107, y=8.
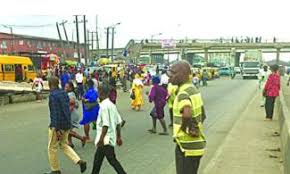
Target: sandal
x=84, y=141
x=152, y=131
x=123, y=123
x=72, y=145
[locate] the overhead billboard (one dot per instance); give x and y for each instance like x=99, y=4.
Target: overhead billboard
x=168, y=43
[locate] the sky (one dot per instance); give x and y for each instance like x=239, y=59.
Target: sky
x=176, y=19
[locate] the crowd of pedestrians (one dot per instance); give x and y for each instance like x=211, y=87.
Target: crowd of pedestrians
x=96, y=93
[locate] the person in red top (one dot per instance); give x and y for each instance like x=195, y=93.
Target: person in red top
x=271, y=91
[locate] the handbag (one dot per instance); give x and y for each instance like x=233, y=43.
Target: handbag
x=89, y=106
x=264, y=93
x=153, y=112
x=132, y=95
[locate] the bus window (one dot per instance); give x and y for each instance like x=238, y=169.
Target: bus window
x=30, y=68
x=9, y=68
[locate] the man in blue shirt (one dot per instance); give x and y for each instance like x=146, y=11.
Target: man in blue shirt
x=59, y=127
x=65, y=77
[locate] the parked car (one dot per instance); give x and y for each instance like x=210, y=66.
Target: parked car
x=237, y=70
x=225, y=71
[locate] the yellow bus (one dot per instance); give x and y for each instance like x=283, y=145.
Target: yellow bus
x=16, y=68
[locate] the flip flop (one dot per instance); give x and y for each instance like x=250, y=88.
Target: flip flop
x=89, y=141
x=123, y=123
x=84, y=141
x=152, y=131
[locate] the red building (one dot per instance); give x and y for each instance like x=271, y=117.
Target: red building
x=34, y=47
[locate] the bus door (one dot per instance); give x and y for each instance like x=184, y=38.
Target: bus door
x=18, y=73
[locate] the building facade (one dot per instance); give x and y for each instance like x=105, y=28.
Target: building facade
x=31, y=45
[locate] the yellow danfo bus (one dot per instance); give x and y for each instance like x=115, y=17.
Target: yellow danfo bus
x=16, y=68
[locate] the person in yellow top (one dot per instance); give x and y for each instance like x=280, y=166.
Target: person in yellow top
x=188, y=117
x=137, y=88
x=123, y=79
x=114, y=74
x=171, y=96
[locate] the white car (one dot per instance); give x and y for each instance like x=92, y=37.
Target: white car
x=237, y=70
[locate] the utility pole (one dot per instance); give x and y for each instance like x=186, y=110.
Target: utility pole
x=91, y=42
x=85, y=40
x=88, y=43
x=97, y=37
x=112, y=49
x=61, y=43
x=92, y=36
x=65, y=33
x=107, y=49
x=78, y=39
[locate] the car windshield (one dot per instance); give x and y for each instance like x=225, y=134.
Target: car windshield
x=251, y=64
x=225, y=69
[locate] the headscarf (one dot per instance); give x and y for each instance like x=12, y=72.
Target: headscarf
x=156, y=80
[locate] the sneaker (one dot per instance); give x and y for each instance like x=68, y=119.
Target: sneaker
x=83, y=166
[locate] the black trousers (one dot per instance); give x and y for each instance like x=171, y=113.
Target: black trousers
x=108, y=152
x=171, y=115
x=186, y=165
x=269, y=106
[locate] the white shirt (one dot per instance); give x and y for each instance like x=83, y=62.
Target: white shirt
x=38, y=82
x=138, y=82
x=263, y=74
x=110, y=117
x=195, y=79
x=164, y=79
x=79, y=77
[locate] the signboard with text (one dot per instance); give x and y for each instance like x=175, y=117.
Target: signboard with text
x=168, y=43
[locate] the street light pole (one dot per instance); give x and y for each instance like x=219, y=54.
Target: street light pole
x=107, y=48
x=113, y=32
x=112, y=49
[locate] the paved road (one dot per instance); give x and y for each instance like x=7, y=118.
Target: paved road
x=23, y=133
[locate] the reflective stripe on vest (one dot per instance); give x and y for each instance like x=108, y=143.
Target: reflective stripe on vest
x=191, y=146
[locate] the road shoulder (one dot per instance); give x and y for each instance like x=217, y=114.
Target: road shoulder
x=249, y=147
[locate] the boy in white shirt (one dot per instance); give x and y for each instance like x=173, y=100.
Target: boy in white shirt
x=108, y=132
x=195, y=80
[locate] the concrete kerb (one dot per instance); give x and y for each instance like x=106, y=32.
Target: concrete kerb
x=19, y=98
x=284, y=125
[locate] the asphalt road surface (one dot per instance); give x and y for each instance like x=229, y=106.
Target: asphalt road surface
x=24, y=128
